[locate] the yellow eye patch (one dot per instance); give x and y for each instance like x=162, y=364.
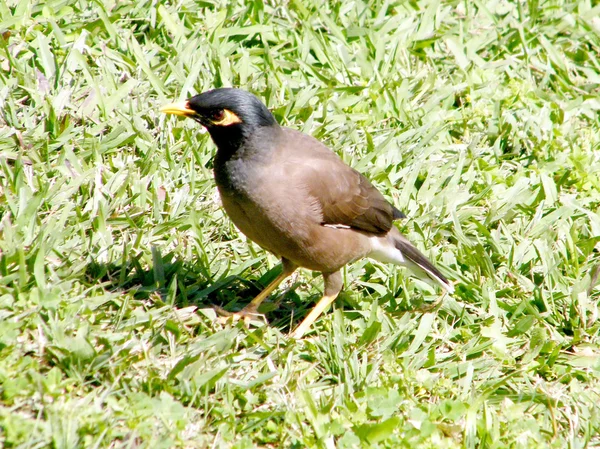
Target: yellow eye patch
x=227, y=118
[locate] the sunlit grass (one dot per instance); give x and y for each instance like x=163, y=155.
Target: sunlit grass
x=478, y=120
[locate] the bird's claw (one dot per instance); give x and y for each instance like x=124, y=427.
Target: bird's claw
x=247, y=314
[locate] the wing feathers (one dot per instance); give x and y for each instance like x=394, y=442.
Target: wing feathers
x=345, y=196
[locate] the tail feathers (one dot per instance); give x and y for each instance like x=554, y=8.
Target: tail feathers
x=416, y=261
x=395, y=248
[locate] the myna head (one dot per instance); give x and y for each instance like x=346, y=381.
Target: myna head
x=228, y=114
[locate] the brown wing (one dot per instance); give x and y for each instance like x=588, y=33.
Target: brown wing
x=345, y=196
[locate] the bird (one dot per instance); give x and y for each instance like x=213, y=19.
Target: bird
x=293, y=196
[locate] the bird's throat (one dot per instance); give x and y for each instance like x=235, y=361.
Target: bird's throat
x=240, y=158
x=228, y=139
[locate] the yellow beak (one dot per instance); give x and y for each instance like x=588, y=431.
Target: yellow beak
x=180, y=108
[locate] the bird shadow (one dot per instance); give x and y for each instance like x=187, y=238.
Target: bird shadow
x=181, y=283
x=172, y=280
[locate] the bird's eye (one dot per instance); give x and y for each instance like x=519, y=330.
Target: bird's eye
x=217, y=115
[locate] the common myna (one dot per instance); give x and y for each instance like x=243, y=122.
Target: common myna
x=293, y=196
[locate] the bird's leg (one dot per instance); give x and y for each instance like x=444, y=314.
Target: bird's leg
x=333, y=286
x=251, y=310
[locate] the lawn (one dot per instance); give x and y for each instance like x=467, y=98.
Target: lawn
x=478, y=119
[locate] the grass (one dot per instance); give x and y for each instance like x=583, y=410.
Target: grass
x=480, y=120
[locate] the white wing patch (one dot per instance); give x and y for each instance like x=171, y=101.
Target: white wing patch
x=336, y=226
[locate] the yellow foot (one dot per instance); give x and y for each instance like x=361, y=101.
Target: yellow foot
x=248, y=314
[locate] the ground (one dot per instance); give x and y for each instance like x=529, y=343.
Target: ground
x=479, y=120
